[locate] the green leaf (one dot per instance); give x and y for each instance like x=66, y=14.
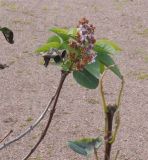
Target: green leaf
x=64, y=45
x=63, y=33
x=106, y=46
x=47, y=46
x=77, y=148
x=72, y=32
x=93, y=68
x=85, y=146
x=66, y=65
x=8, y=34
x=102, y=67
x=108, y=61
x=54, y=38
x=86, y=79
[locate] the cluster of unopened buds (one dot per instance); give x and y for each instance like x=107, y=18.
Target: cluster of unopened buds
x=85, y=42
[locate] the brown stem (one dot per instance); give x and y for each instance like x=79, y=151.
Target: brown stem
x=63, y=76
x=110, y=114
x=96, y=155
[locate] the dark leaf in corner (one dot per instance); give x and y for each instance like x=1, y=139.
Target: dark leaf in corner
x=63, y=54
x=3, y=66
x=54, y=54
x=57, y=59
x=46, y=59
x=8, y=34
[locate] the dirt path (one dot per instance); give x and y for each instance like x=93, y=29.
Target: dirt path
x=26, y=85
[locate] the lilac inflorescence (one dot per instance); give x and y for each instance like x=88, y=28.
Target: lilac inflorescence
x=85, y=40
x=86, y=34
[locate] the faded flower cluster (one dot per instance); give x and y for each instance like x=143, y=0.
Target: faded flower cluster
x=85, y=41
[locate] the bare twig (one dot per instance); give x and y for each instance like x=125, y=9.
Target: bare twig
x=102, y=93
x=63, y=76
x=103, y=101
x=28, y=130
x=120, y=93
x=6, y=136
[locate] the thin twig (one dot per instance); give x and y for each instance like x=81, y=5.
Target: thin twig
x=120, y=93
x=6, y=136
x=64, y=74
x=28, y=130
x=103, y=100
x=102, y=93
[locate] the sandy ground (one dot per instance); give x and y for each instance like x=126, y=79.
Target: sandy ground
x=26, y=86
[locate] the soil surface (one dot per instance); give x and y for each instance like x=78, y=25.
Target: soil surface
x=26, y=86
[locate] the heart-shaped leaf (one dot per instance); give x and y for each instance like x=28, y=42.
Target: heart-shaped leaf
x=86, y=79
x=85, y=146
x=106, y=46
x=93, y=68
x=47, y=46
x=63, y=33
x=109, y=62
x=54, y=38
x=8, y=34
